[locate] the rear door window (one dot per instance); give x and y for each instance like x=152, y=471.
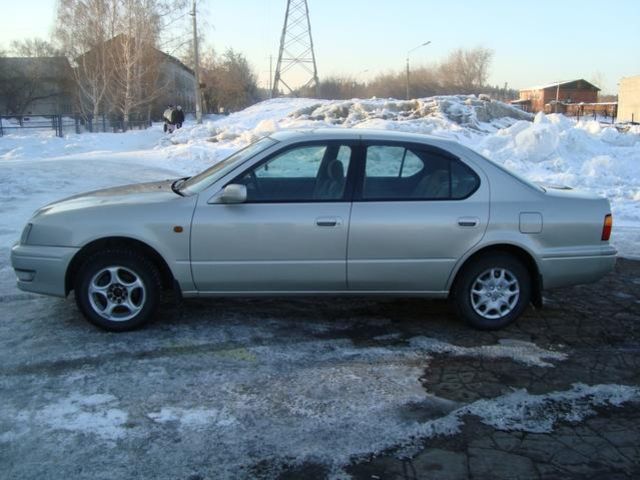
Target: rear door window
x=398, y=173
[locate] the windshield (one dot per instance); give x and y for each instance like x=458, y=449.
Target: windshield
x=199, y=182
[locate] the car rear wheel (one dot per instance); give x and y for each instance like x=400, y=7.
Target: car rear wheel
x=117, y=290
x=492, y=291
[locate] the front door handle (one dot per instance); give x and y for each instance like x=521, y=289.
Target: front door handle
x=328, y=221
x=468, y=221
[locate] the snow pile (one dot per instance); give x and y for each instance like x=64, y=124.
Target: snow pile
x=463, y=116
x=427, y=115
x=556, y=150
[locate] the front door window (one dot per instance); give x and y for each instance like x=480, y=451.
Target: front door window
x=308, y=173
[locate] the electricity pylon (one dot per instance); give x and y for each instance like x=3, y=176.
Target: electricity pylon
x=296, y=50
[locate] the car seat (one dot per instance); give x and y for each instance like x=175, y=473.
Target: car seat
x=434, y=185
x=332, y=186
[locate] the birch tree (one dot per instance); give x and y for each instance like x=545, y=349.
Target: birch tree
x=113, y=46
x=83, y=29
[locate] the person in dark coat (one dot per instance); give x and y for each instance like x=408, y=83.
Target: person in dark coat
x=179, y=117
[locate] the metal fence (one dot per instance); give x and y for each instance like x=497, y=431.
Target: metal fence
x=65, y=124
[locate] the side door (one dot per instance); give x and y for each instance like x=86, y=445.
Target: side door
x=291, y=233
x=416, y=210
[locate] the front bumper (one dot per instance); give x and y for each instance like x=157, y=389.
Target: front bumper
x=563, y=269
x=42, y=269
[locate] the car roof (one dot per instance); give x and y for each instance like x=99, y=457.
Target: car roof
x=358, y=134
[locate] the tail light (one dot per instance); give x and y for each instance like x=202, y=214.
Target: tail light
x=606, y=228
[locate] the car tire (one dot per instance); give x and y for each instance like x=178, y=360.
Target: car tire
x=118, y=290
x=492, y=291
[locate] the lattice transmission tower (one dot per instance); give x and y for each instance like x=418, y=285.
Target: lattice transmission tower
x=296, y=57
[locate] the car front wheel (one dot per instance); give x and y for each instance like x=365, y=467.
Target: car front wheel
x=492, y=292
x=117, y=290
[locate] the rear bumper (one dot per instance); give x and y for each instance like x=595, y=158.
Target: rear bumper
x=586, y=266
x=41, y=269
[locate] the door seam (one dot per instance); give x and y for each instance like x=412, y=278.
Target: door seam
x=346, y=259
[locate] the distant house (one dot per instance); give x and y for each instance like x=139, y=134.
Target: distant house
x=534, y=99
x=166, y=80
x=180, y=82
x=35, y=86
x=629, y=99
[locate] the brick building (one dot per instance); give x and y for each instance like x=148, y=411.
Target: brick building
x=534, y=99
x=629, y=99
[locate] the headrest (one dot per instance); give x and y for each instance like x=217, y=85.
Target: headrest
x=335, y=171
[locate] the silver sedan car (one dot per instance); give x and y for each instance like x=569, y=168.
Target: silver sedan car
x=321, y=212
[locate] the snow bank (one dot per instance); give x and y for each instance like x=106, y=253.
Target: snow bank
x=585, y=155
x=431, y=113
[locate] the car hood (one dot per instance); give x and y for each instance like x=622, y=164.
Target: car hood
x=138, y=193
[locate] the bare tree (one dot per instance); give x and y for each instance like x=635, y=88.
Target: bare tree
x=135, y=59
x=113, y=46
x=466, y=70
x=599, y=80
x=34, y=47
x=35, y=73
x=83, y=29
x=230, y=81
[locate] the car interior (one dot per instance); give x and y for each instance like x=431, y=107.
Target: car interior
x=322, y=176
x=322, y=180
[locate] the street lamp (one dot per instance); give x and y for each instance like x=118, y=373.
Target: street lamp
x=408, y=53
x=354, y=82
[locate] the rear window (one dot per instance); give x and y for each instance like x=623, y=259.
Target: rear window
x=397, y=173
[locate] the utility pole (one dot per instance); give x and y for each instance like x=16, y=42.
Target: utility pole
x=196, y=64
x=270, y=76
x=409, y=53
x=408, y=90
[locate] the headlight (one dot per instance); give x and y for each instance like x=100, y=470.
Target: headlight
x=25, y=234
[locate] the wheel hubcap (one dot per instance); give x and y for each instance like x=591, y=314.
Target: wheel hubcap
x=116, y=293
x=495, y=293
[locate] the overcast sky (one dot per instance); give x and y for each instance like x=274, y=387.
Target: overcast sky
x=533, y=42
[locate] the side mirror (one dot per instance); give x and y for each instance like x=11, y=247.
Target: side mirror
x=233, y=193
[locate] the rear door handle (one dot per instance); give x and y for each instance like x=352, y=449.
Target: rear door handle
x=468, y=221
x=328, y=221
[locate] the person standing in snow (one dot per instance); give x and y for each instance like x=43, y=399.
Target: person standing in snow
x=179, y=116
x=169, y=117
